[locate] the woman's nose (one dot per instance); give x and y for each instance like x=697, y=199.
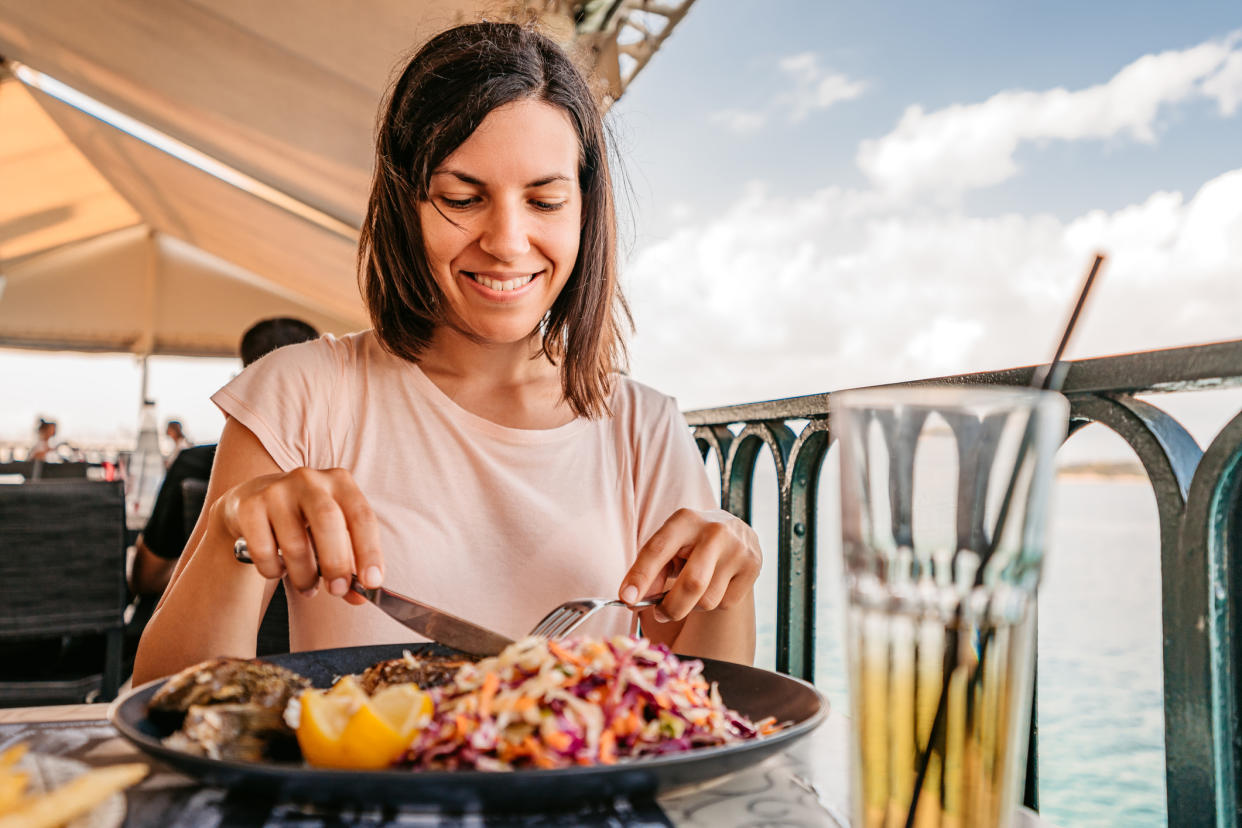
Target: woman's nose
x=505, y=234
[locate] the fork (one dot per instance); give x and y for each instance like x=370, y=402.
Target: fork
x=566, y=618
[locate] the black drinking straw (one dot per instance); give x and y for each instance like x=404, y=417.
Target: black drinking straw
x=1048, y=377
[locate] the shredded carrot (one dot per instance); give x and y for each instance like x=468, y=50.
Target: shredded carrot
x=523, y=704
x=491, y=683
x=768, y=726
x=627, y=724
x=564, y=655
x=608, y=748
x=557, y=740
x=538, y=754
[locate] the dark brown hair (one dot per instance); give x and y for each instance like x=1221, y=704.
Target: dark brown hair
x=267, y=335
x=444, y=93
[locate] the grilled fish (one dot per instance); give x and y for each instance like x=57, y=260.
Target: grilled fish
x=229, y=680
x=426, y=671
x=235, y=731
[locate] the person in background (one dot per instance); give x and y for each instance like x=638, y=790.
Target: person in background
x=179, y=441
x=480, y=447
x=45, y=430
x=163, y=538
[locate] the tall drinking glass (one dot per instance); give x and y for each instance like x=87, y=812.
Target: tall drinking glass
x=944, y=501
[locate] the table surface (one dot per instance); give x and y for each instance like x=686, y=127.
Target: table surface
x=806, y=786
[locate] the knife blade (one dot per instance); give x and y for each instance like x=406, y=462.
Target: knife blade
x=436, y=624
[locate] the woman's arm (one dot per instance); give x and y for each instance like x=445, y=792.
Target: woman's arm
x=213, y=604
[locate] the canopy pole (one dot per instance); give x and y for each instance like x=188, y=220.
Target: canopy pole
x=142, y=400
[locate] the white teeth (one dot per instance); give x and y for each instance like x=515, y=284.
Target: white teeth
x=512, y=284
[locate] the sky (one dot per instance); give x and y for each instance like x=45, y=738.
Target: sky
x=824, y=195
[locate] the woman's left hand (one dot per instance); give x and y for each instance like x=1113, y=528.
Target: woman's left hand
x=706, y=560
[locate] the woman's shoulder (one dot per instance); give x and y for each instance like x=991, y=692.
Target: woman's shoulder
x=639, y=404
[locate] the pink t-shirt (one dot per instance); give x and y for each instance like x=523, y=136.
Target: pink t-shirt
x=494, y=524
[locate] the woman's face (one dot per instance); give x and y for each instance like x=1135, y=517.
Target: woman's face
x=503, y=221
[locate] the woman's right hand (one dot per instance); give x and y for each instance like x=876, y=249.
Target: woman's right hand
x=320, y=522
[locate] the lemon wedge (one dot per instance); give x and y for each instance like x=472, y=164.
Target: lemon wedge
x=341, y=728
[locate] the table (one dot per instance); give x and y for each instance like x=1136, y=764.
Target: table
x=804, y=787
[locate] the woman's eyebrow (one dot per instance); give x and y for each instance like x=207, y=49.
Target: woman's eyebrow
x=461, y=176
x=549, y=179
x=466, y=178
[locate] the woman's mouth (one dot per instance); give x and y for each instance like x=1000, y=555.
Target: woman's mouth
x=501, y=283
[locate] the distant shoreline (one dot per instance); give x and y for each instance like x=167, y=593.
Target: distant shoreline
x=1119, y=472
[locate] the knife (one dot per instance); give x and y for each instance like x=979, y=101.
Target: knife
x=424, y=619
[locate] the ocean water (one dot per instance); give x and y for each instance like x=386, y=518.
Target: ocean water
x=1101, y=742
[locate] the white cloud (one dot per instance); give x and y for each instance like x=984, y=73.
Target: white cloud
x=739, y=120
x=967, y=146
x=1226, y=85
x=779, y=297
x=814, y=87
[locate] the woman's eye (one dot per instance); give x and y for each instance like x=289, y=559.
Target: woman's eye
x=547, y=206
x=457, y=203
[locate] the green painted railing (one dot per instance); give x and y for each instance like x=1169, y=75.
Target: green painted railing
x=1199, y=503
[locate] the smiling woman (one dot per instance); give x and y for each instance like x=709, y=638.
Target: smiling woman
x=480, y=449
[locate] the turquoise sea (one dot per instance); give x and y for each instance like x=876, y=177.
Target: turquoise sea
x=1101, y=744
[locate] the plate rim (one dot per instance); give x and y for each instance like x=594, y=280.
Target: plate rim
x=767, y=745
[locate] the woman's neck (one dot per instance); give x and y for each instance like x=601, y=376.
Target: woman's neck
x=513, y=384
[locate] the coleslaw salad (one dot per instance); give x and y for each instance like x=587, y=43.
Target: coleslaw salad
x=552, y=704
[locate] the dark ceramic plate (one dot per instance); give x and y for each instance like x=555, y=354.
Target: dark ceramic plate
x=753, y=692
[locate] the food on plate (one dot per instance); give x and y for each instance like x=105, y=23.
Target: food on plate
x=229, y=708
x=226, y=681
x=20, y=809
x=553, y=704
x=235, y=731
x=426, y=670
x=539, y=704
x=345, y=727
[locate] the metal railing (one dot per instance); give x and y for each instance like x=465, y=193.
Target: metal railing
x=1199, y=504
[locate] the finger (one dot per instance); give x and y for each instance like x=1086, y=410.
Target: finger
x=695, y=579
x=330, y=539
x=289, y=526
x=252, y=524
x=657, y=553
x=363, y=528
x=740, y=589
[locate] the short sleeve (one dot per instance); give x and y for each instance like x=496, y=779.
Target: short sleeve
x=285, y=400
x=669, y=471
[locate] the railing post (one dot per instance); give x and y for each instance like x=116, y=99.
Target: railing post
x=1170, y=457
x=798, y=526
x=1210, y=541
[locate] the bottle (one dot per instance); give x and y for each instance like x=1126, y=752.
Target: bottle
x=146, y=469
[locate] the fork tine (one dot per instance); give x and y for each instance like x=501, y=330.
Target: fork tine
x=550, y=626
x=574, y=623
x=568, y=623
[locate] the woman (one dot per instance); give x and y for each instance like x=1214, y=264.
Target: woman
x=478, y=448
x=42, y=449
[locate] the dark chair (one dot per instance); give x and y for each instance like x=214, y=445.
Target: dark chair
x=59, y=471
x=39, y=470
x=274, y=629
x=62, y=591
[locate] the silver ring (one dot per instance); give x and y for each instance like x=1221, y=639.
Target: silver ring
x=241, y=551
